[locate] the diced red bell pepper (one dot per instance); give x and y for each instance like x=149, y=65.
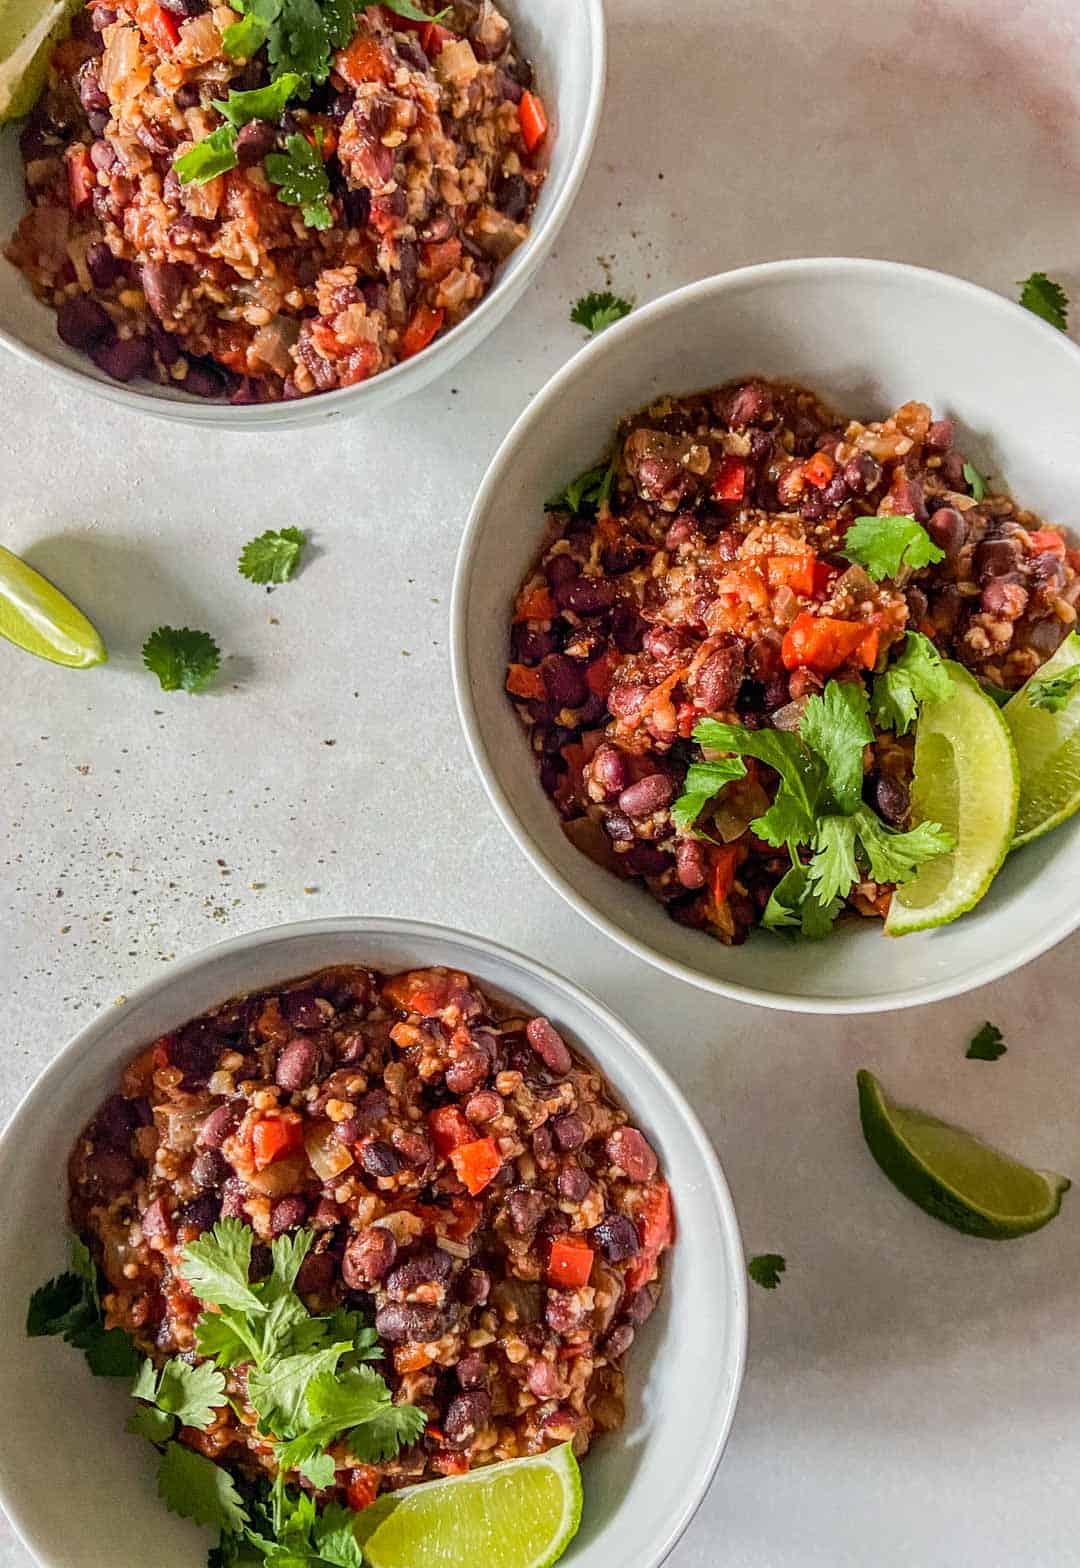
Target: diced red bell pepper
x=163, y=29
x=819, y=470
x=363, y=61
x=601, y=672
x=434, y=39
x=421, y=330
x=656, y=1229
x=533, y=118
x=822, y=643
x=1047, y=541
x=274, y=1138
x=440, y=258
x=82, y=177
x=362, y=1488
x=476, y=1163
x=449, y=1129
x=526, y=683
x=792, y=571
x=570, y=1262
x=536, y=605
x=723, y=859
x=729, y=480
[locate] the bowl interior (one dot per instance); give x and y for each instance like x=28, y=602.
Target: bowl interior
x=563, y=38
x=641, y=1484
x=867, y=336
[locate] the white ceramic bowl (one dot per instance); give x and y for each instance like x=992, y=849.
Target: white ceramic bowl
x=868, y=335
x=80, y=1492
x=564, y=38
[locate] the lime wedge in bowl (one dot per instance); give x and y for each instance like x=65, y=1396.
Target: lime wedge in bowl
x=1048, y=746
x=28, y=30
x=520, y=1514
x=951, y=1174
x=967, y=779
x=36, y=616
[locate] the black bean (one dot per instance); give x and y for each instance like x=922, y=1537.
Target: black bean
x=618, y=827
x=287, y=1214
x=564, y=681
x=210, y=1168
x=316, y=1276
x=512, y=196
x=398, y=1323
x=646, y=860
x=122, y=358
x=526, y=1208
x=585, y=595
x=82, y=323
x=862, y=473
x=369, y=1257
x=947, y=529
x=569, y=1131
x=255, y=140
x=717, y=682
x=474, y=1287
x=187, y=96
x=104, y=268
x=472, y=1372
x=617, y=1238
x=163, y=284
x=430, y=1265
x=996, y=558
x=618, y=1342
x=205, y=380
x=467, y=1414
x=90, y=94
x=409, y=268
x=380, y=1158
x=201, y=1213
x=573, y=1182
x=891, y=799
x=468, y=1072
x=357, y=204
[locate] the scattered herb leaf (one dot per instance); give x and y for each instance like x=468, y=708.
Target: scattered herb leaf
x=917, y=676
x=884, y=544
x=987, y=1045
x=181, y=659
x=765, y=1270
x=190, y=1393
x=704, y=780
x=301, y=178
x=272, y=557
x=261, y=103
x=415, y=13
x=587, y=492
x=597, y=311
x=975, y=481
x=1052, y=692
x=69, y=1307
x=214, y=155
x=1045, y=298
x=196, y=1488
x=835, y=726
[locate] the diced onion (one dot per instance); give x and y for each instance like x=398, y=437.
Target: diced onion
x=327, y=1154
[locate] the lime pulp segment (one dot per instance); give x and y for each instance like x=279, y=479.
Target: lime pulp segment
x=28, y=30
x=966, y=779
x=37, y=617
x=1048, y=748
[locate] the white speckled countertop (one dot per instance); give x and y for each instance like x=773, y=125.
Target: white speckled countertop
x=912, y=1399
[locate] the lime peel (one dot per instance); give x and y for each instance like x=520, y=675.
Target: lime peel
x=1048, y=748
x=966, y=779
x=522, y=1513
x=952, y=1175
x=28, y=31
x=37, y=617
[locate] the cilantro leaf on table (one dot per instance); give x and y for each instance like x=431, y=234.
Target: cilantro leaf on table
x=1052, y=692
x=272, y=557
x=190, y=1393
x=1045, y=298
x=896, y=857
x=214, y=155
x=704, y=780
x=975, y=481
x=987, y=1044
x=917, y=676
x=765, y=1270
x=261, y=103
x=835, y=725
x=587, y=492
x=301, y=178
x=884, y=544
x=69, y=1307
x=182, y=659
x=196, y=1488
x=597, y=311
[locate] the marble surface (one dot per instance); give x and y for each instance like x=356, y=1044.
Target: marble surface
x=912, y=1395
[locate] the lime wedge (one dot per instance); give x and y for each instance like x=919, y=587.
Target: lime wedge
x=951, y=1174
x=520, y=1514
x=966, y=779
x=28, y=30
x=1048, y=748
x=34, y=615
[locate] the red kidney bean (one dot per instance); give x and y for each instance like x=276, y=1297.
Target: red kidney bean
x=234, y=1194
x=679, y=533
x=608, y=771
x=997, y=557
x=1005, y=598
x=560, y=568
x=649, y=794
x=940, y=436
x=122, y=358
x=630, y=1152
x=690, y=865
x=156, y=1220
x=296, y=1064
x=549, y=1046
x=569, y=1131
x=862, y=473
x=380, y=1158
x=542, y=1379
x=468, y=1072
x=90, y=93
x=104, y=268
x=624, y=700
x=891, y=799
x=618, y=827
x=750, y=404
x=646, y=860
x=350, y=1131
x=163, y=284
x=474, y=1287
x=526, y=1208
x=327, y=1214
x=301, y=1009
x=466, y=1415
x=103, y=156
x=664, y=642
x=618, y=1342
x=530, y=645
x=368, y=1258
x=398, y=1323
x=210, y=1168
x=254, y=141
x=316, y=1276
x=551, y=773
x=108, y=1173
x=543, y=1146
x=483, y=1107
x=717, y=682
x=81, y=322
x=563, y=1311
x=413, y=1147
x=640, y=1306
x=373, y=1107
x=564, y=681
x=573, y=1182
x=117, y=1119
x=287, y=1214
x=585, y=595
x=617, y=1238
x=472, y=1372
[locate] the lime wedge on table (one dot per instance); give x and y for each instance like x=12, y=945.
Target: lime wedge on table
x=965, y=779
x=1048, y=746
x=34, y=615
x=28, y=29
x=520, y=1514
x=953, y=1175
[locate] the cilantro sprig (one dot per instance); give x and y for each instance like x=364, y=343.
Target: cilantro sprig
x=1045, y=298
x=885, y=544
x=917, y=676
x=585, y=494
x=69, y=1307
x=987, y=1044
x=214, y=155
x=596, y=311
x=975, y=481
x=818, y=814
x=301, y=178
x=182, y=659
x=179, y=1392
x=272, y=557
x=1052, y=692
x=765, y=1269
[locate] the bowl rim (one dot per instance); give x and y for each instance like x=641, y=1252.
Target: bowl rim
x=407, y=375
x=422, y=932
x=888, y=273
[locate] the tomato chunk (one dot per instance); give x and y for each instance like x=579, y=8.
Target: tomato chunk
x=821, y=643
x=525, y=683
x=729, y=480
x=162, y=28
x=421, y=330
x=656, y=1229
x=274, y=1138
x=476, y=1163
x=534, y=123
x=570, y=1262
x=82, y=177
x=362, y=1488
x=723, y=859
x=819, y=470
x=449, y=1129
x=536, y=605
